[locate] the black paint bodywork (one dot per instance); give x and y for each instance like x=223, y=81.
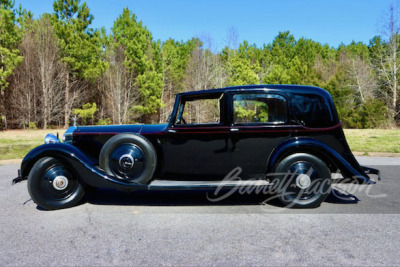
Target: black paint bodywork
x=209, y=152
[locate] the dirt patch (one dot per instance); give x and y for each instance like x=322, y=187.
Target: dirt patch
x=10, y=161
x=376, y=154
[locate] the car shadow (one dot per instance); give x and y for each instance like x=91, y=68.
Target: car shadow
x=197, y=198
x=173, y=198
x=340, y=196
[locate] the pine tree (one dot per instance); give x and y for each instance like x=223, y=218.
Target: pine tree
x=10, y=37
x=79, y=44
x=143, y=60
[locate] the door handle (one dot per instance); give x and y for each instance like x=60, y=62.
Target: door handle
x=234, y=129
x=171, y=131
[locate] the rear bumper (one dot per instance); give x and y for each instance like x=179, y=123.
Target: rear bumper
x=368, y=171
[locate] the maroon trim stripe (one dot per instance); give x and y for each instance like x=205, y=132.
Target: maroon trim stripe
x=97, y=133
x=262, y=129
x=221, y=130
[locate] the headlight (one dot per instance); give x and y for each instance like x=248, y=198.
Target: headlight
x=51, y=139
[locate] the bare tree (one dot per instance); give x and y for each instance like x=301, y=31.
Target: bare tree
x=326, y=69
x=50, y=68
x=24, y=92
x=120, y=91
x=37, y=87
x=232, y=38
x=360, y=75
x=204, y=71
x=387, y=57
x=167, y=97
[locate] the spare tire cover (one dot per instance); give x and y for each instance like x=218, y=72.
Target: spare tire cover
x=130, y=157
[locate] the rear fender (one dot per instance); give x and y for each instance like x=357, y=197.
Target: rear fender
x=319, y=148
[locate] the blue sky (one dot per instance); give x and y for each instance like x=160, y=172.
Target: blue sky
x=331, y=22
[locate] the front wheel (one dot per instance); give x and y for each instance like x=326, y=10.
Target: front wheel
x=304, y=181
x=53, y=185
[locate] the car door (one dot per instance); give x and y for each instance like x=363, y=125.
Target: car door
x=196, y=143
x=258, y=123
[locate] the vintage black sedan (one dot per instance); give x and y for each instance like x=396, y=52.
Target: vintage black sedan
x=284, y=134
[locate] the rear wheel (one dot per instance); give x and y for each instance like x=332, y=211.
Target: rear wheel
x=53, y=185
x=304, y=181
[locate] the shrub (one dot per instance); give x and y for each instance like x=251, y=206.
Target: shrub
x=86, y=112
x=371, y=114
x=32, y=126
x=106, y=121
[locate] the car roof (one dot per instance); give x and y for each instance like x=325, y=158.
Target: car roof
x=279, y=87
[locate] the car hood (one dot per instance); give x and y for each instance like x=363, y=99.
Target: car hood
x=153, y=128
x=115, y=129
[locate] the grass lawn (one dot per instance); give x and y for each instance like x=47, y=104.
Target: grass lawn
x=373, y=140
x=15, y=144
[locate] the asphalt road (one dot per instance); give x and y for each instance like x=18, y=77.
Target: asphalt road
x=358, y=226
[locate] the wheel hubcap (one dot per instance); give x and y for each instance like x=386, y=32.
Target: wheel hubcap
x=60, y=183
x=303, y=181
x=127, y=161
x=303, y=177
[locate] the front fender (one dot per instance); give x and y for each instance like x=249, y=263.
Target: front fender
x=85, y=167
x=58, y=150
x=310, y=145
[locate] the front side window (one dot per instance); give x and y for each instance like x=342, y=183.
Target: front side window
x=259, y=108
x=200, y=111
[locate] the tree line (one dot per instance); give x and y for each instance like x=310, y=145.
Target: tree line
x=57, y=67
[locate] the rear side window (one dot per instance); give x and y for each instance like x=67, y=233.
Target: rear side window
x=312, y=110
x=259, y=108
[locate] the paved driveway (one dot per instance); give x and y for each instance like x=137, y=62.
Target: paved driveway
x=353, y=227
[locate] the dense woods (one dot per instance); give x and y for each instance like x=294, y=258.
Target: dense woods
x=56, y=67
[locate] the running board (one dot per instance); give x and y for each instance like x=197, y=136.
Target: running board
x=203, y=185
